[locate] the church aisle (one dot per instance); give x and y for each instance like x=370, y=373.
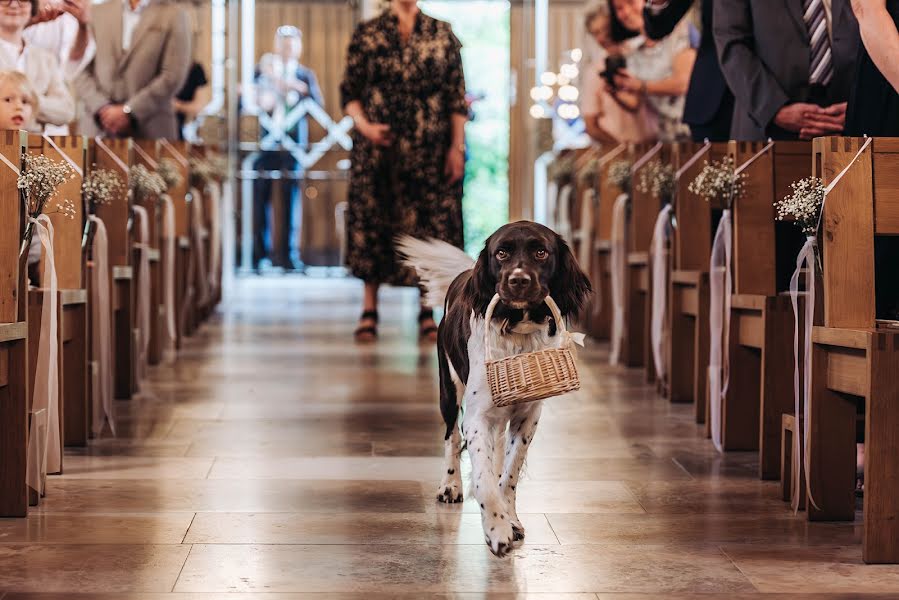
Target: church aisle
x=277, y=457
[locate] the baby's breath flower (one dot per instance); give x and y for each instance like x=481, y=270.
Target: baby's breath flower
x=102, y=186
x=39, y=181
x=804, y=205
x=657, y=179
x=620, y=174
x=718, y=181
x=587, y=173
x=561, y=168
x=170, y=173
x=146, y=184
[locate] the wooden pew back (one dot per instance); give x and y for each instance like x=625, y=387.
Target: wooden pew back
x=693, y=214
x=115, y=215
x=607, y=190
x=11, y=219
x=177, y=152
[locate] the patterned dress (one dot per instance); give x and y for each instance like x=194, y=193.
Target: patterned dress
x=414, y=87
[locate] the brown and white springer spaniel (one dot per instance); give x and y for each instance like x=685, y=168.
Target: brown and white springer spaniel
x=523, y=262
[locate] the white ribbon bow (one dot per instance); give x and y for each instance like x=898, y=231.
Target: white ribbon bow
x=618, y=274
x=659, y=269
x=720, y=289
x=101, y=325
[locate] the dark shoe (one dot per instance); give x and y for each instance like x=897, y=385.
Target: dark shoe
x=427, y=329
x=367, y=333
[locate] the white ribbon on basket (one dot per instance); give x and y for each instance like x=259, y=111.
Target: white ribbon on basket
x=805, y=262
x=199, y=230
x=215, y=234
x=142, y=227
x=659, y=268
x=720, y=286
x=101, y=327
x=44, y=453
x=168, y=267
x=618, y=260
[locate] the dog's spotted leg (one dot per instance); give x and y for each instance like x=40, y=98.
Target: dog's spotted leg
x=450, y=490
x=522, y=426
x=480, y=436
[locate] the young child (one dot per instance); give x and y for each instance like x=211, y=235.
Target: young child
x=40, y=66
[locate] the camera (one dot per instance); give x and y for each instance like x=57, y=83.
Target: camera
x=614, y=63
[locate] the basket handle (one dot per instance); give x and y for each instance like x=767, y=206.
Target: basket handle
x=553, y=308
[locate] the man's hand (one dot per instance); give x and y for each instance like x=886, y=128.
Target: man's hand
x=455, y=165
x=80, y=9
x=114, y=119
x=377, y=133
x=811, y=120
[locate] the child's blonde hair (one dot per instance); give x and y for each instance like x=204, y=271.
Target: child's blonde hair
x=21, y=81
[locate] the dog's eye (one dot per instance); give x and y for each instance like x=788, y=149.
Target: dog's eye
x=541, y=254
x=502, y=255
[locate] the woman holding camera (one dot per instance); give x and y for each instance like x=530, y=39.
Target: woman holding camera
x=657, y=72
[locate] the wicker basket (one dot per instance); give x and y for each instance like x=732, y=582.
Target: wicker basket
x=533, y=375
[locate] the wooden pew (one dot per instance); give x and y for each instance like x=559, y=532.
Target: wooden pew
x=600, y=324
x=200, y=212
x=178, y=152
x=74, y=412
x=146, y=154
x=14, y=400
x=688, y=352
x=855, y=362
x=117, y=217
x=761, y=327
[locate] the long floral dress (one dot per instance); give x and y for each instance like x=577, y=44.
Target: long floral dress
x=414, y=87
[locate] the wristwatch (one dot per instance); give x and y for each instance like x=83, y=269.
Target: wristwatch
x=126, y=109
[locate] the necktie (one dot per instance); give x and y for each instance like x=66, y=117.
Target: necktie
x=821, y=64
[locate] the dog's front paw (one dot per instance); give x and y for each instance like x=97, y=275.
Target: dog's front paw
x=450, y=490
x=498, y=532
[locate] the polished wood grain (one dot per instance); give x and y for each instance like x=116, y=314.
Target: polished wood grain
x=277, y=457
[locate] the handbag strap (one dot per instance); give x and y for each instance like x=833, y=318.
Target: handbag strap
x=553, y=308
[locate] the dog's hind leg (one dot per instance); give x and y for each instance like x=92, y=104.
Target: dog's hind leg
x=451, y=391
x=522, y=426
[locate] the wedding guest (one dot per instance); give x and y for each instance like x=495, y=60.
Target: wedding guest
x=405, y=90
x=187, y=102
x=40, y=66
x=606, y=119
x=874, y=103
x=709, y=106
x=18, y=101
x=790, y=69
x=658, y=72
x=143, y=55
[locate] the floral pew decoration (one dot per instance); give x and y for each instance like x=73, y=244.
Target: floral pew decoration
x=207, y=174
x=38, y=184
x=719, y=183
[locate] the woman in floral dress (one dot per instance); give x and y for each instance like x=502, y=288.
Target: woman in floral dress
x=405, y=90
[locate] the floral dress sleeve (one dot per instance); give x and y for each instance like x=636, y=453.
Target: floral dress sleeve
x=454, y=83
x=354, y=76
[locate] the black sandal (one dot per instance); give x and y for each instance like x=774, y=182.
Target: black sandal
x=428, y=332
x=367, y=333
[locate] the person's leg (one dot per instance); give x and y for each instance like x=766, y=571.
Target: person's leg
x=288, y=189
x=367, y=330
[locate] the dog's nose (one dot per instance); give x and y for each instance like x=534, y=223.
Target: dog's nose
x=519, y=279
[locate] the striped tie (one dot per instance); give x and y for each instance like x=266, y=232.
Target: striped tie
x=821, y=65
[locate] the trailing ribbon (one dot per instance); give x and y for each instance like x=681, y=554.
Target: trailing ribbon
x=101, y=326
x=659, y=265
x=168, y=268
x=215, y=235
x=720, y=286
x=199, y=230
x=142, y=227
x=44, y=452
x=560, y=217
x=585, y=249
x=805, y=262
x=618, y=273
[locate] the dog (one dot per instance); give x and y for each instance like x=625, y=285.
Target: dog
x=523, y=262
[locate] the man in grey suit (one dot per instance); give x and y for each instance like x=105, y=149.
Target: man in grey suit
x=789, y=63
x=143, y=56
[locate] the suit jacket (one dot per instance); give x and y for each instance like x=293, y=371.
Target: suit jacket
x=764, y=52
x=146, y=76
x=708, y=91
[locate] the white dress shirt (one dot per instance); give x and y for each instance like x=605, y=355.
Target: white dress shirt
x=130, y=19
x=41, y=67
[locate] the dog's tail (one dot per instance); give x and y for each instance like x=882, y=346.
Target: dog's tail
x=437, y=264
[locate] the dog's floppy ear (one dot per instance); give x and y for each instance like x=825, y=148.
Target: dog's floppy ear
x=482, y=285
x=569, y=286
